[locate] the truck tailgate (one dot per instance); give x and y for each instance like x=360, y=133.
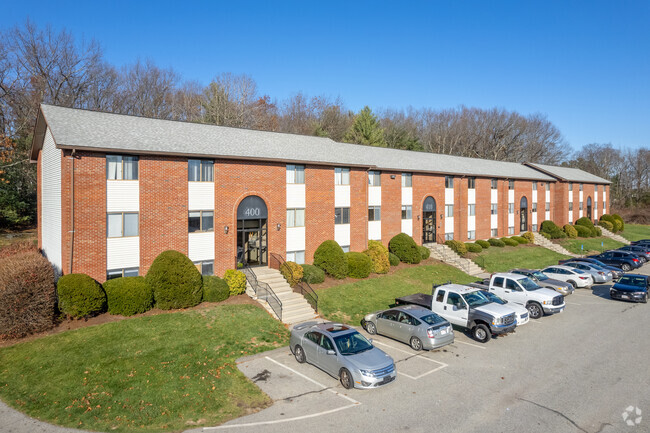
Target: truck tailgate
x=420, y=299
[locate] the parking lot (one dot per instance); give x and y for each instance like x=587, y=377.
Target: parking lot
x=575, y=371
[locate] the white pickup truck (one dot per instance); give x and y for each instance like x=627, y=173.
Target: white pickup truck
x=466, y=307
x=520, y=289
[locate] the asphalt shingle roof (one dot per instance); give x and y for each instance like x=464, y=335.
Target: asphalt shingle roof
x=569, y=174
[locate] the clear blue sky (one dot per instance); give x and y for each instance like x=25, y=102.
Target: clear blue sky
x=584, y=64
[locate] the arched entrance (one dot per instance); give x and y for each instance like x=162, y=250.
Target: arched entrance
x=429, y=220
x=252, y=231
x=589, y=207
x=523, y=214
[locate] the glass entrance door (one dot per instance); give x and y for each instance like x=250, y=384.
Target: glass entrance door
x=523, y=214
x=428, y=227
x=252, y=242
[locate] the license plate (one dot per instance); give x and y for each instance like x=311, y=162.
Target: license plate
x=443, y=332
x=386, y=380
x=625, y=297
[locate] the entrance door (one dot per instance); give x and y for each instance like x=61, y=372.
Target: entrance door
x=252, y=232
x=589, y=207
x=523, y=214
x=429, y=221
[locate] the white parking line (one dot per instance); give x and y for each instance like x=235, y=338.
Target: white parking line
x=442, y=364
x=470, y=344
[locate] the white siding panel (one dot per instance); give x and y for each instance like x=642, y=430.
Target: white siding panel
x=51, y=200
x=342, y=234
x=534, y=218
x=296, y=239
x=295, y=196
x=123, y=253
x=534, y=196
x=407, y=227
x=471, y=223
x=200, y=195
x=449, y=224
x=449, y=196
x=547, y=216
x=342, y=196
x=407, y=197
x=511, y=220
x=122, y=196
x=570, y=217
x=374, y=230
x=511, y=196
x=570, y=195
x=494, y=196
x=201, y=246
x=471, y=196
x=580, y=195
x=494, y=221
x=374, y=196
x=580, y=213
x=548, y=197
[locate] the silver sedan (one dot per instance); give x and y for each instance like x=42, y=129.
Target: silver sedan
x=416, y=326
x=599, y=274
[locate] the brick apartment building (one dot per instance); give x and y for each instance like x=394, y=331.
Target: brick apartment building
x=114, y=191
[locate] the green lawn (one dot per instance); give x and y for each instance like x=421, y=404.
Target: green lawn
x=635, y=232
x=348, y=303
x=591, y=245
x=168, y=372
x=496, y=259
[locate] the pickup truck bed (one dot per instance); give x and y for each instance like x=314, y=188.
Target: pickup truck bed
x=420, y=299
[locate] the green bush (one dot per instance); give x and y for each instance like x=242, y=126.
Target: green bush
x=127, y=296
x=329, y=256
x=458, y=247
x=292, y=272
x=215, y=289
x=378, y=253
x=553, y=230
x=620, y=220
x=80, y=296
x=597, y=231
x=617, y=223
x=584, y=221
x=473, y=247
x=175, y=281
x=312, y=274
x=530, y=236
x=236, y=281
x=404, y=247
x=359, y=265
x=583, y=231
x=606, y=224
x=570, y=231
x=496, y=242
x=546, y=235
x=510, y=242
x=425, y=252
x=520, y=239
x=484, y=244
x=393, y=259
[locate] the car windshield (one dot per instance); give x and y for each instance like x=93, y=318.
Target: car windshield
x=540, y=276
x=476, y=299
x=528, y=284
x=494, y=298
x=352, y=343
x=632, y=281
x=432, y=319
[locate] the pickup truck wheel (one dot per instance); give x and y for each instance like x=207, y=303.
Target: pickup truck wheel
x=416, y=344
x=625, y=267
x=481, y=333
x=573, y=283
x=346, y=378
x=535, y=310
x=299, y=353
x=371, y=328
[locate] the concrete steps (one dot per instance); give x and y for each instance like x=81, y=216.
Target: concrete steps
x=614, y=236
x=543, y=242
x=446, y=255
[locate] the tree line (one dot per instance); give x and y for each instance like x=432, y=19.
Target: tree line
x=43, y=65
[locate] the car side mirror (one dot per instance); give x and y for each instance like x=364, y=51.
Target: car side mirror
x=370, y=340
x=331, y=352
x=454, y=307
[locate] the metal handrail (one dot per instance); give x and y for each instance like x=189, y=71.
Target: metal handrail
x=301, y=287
x=262, y=290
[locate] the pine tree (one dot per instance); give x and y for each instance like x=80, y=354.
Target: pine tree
x=366, y=130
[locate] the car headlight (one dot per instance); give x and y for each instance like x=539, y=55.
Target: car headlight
x=368, y=373
x=548, y=302
x=498, y=321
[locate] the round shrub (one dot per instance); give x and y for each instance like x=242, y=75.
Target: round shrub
x=545, y=235
x=425, y=252
x=236, y=281
x=329, y=256
x=404, y=247
x=292, y=272
x=175, y=281
x=80, y=296
x=378, y=253
x=127, y=296
x=215, y=289
x=393, y=259
x=620, y=220
x=473, y=247
x=615, y=222
x=582, y=231
x=484, y=244
x=597, y=231
x=510, y=242
x=359, y=265
x=496, y=242
x=519, y=239
x=606, y=224
x=548, y=226
x=530, y=236
x=458, y=247
x=570, y=231
x=312, y=274
x=584, y=221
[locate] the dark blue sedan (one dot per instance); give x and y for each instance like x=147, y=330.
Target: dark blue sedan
x=622, y=259
x=631, y=287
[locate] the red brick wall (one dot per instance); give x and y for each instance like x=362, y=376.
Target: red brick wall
x=319, y=213
x=460, y=209
x=560, y=203
x=425, y=185
x=523, y=188
x=358, y=209
x=391, y=205
x=163, y=207
x=588, y=191
x=503, y=207
x=483, y=207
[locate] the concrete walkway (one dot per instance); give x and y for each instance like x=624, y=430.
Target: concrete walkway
x=12, y=421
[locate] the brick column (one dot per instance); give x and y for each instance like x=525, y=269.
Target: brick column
x=391, y=205
x=319, y=213
x=358, y=209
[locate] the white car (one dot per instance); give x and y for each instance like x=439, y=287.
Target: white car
x=520, y=310
x=599, y=274
x=578, y=278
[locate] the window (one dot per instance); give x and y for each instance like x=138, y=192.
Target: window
x=374, y=178
x=548, y=206
x=494, y=209
x=120, y=167
x=548, y=186
x=471, y=234
x=374, y=213
x=471, y=209
x=580, y=204
x=296, y=257
x=471, y=183
x=295, y=173
x=581, y=186
x=494, y=183
x=440, y=296
x=604, y=205
x=205, y=267
x=200, y=170
x=122, y=224
x=511, y=230
x=345, y=248
x=407, y=212
x=449, y=236
x=449, y=210
x=570, y=206
x=570, y=186
x=341, y=176
x=534, y=227
x=534, y=207
x=407, y=180
x=511, y=208
x=342, y=215
x=534, y=185
x=449, y=182
x=498, y=281
x=200, y=221
x=295, y=217
x=494, y=232
x=455, y=299
x=125, y=272
x=511, y=184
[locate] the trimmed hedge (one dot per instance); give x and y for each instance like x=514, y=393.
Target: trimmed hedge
x=329, y=256
x=519, y=239
x=312, y=274
x=215, y=289
x=584, y=221
x=458, y=247
x=496, y=242
x=606, y=224
x=80, y=296
x=393, y=259
x=127, y=296
x=571, y=232
x=175, y=281
x=545, y=235
x=425, y=252
x=292, y=272
x=530, y=236
x=551, y=229
x=484, y=244
x=510, y=242
x=378, y=254
x=617, y=223
x=236, y=281
x=404, y=247
x=583, y=231
x=619, y=218
x=473, y=247
x=359, y=265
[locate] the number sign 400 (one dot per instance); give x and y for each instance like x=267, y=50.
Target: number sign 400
x=252, y=211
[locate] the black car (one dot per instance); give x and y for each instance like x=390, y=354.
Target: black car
x=616, y=272
x=645, y=242
x=641, y=251
x=631, y=287
x=622, y=259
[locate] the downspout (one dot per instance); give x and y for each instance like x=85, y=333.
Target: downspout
x=72, y=158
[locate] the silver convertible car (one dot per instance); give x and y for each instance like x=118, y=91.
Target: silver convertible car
x=342, y=352
x=417, y=326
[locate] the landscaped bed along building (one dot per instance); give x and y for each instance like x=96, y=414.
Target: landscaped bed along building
x=114, y=191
